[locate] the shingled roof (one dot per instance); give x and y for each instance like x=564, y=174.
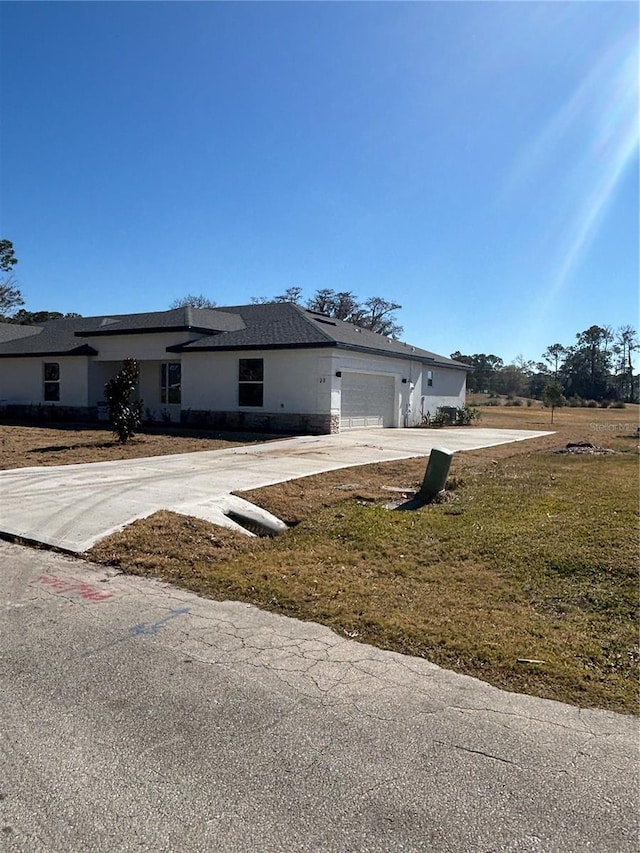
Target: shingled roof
x=55, y=337
x=207, y=320
x=12, y=331
x=273, y=325
x=60, y=337
x=283, y=325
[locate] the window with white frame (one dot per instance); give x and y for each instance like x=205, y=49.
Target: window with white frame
x=251, y=382
x=171, y=383
x=429, y=378
x=51, y=379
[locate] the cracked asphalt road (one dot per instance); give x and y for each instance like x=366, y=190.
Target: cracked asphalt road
x=136, y=716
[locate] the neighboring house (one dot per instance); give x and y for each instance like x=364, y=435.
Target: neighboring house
x=273, y=366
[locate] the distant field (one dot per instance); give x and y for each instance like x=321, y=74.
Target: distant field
x=599, y=425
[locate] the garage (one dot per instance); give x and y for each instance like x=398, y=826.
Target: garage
x=367, y=400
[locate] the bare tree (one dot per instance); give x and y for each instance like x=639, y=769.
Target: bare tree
x=193, y=301
x=10, y=296
x=376, y=313
x=342, y=305
x=291, y=294
x=323, y=301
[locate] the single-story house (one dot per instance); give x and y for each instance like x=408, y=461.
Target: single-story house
x=273, y=366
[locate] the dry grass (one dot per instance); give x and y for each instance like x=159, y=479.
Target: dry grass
x=592, y=423
x=535, y=558
x=26, y=446
x=610, y=428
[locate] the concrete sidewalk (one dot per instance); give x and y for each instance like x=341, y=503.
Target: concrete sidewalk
x=74, y=506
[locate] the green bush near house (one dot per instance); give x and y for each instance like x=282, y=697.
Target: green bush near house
x=452, y=416
x=125, y=415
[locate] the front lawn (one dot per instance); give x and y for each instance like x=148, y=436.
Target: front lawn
x=25, y=446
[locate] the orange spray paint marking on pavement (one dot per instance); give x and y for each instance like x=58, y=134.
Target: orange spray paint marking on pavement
x=60, y=585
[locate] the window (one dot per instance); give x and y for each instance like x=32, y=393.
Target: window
x=171, y=383
x=251, y=382
x=51, y=382
x=429, y=378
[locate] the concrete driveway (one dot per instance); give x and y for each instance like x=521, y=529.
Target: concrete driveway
x=139, y=717
x=74, y=506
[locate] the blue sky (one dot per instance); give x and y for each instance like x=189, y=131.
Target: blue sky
x=475, y=162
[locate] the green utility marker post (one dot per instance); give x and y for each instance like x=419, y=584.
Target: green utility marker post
x=435, y=476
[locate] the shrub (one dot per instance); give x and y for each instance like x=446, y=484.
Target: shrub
x=604, y=404
x=125, y=415
x=466, y=415
x=529, y=403
x=591, y=404
x=452, y=416
x=619, y=404
x=442, y=418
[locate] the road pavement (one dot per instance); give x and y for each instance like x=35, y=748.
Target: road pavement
x=74, y=506
x=138, y=717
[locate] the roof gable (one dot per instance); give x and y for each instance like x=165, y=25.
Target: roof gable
x=55, y=337
x=207, y=320
x=271, y=324
x=278, y=325
x=14, y=331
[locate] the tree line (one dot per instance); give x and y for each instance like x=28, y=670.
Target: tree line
x=597, y=366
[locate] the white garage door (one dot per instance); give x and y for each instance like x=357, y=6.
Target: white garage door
x=367, y=400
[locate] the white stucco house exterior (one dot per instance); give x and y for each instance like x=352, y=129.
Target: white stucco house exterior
x=273, y=366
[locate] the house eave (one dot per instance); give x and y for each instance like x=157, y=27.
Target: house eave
x=85, y=350
x=155, y=330
x=186, y=348
x=407, y=356
x=410, y=356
